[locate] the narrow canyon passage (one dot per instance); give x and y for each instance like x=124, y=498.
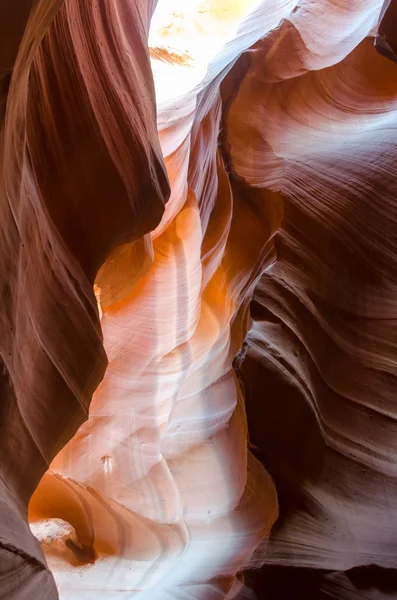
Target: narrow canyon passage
x=198, y=259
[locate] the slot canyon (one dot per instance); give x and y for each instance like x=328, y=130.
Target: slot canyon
x=198, y=277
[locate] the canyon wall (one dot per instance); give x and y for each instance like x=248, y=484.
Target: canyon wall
x=198, y=284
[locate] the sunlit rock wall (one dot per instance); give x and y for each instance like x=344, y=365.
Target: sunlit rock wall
x=222, y=237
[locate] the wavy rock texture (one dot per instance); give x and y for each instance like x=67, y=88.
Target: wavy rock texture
x=76, y=140
x=318, y=126
x=269, y=274
x=159, y=489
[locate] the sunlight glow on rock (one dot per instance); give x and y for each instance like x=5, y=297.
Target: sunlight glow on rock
x=186, y=36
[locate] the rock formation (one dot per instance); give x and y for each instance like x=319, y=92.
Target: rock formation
x=198, y=272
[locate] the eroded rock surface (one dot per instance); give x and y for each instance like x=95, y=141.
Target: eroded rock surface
x=233, y=249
